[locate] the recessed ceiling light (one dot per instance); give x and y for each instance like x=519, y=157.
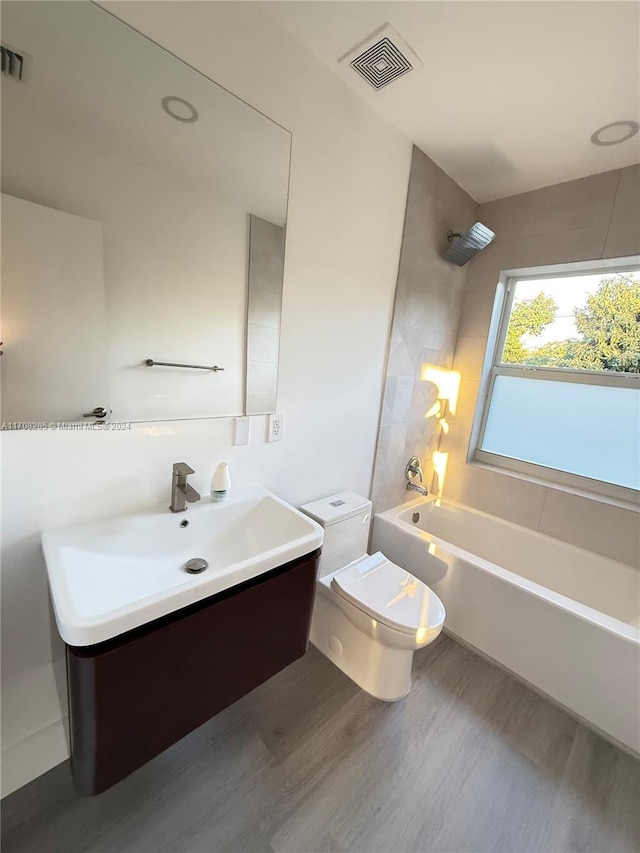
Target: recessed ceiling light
x=616, y=132
x=179, y=109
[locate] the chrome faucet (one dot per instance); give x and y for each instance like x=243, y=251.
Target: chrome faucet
x=413, y=470
x=181, y=491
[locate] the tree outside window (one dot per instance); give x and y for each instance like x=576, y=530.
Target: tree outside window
x=600, y=332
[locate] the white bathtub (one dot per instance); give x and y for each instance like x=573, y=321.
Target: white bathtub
x=562, y=619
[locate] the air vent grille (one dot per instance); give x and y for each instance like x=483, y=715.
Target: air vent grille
x=13, y=62
x=381, y=64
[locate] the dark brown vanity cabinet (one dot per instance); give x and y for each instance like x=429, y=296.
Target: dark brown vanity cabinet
x=132, y=697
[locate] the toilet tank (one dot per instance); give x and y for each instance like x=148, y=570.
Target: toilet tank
x=346, y=518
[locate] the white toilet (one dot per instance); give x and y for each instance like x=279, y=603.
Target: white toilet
x=369, y=615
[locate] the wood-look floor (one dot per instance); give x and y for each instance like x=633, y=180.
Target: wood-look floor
x=471, y=760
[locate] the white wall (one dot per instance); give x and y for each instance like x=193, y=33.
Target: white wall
x=348, y=188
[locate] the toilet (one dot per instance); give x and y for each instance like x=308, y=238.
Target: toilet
x=369, y=615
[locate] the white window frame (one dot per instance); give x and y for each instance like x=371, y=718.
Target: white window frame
x=493, y=368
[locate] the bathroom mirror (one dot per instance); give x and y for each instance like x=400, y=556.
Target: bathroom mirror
x=143, y=221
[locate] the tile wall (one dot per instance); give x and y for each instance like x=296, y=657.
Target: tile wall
x=266, y=271
x=425, y=320
x=591, y=218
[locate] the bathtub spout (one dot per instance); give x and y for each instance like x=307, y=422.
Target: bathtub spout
x=414, y=487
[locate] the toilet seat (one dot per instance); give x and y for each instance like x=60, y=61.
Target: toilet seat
x=390, y=595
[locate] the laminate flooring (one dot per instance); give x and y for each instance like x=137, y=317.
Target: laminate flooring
x=471, y=760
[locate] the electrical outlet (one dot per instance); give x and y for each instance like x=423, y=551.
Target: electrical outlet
x=276, y=424
x=242, y=431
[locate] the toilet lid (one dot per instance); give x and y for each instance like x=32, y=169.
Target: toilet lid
x=389, y=594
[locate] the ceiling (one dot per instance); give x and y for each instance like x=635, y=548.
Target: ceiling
x=509, y=93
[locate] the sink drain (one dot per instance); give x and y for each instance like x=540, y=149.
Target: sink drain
x=195, y=566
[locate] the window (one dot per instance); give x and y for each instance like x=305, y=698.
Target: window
x=563, y=387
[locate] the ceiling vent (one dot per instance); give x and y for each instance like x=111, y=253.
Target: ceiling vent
x=382, y=58
x=13, y=62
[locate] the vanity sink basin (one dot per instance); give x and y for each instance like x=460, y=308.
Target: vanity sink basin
x=108, y=577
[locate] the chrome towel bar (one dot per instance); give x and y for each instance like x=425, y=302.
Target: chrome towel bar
x=151, y=363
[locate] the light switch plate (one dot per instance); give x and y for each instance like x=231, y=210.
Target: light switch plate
x=276, y=425
x=242, y=431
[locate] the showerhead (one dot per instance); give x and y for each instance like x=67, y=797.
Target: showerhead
x=466, y=245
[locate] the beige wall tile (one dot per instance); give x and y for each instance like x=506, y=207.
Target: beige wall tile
x=264, y=308
x=435, y=204
x=426, y=315
x=388, y=396
x=423, y=396
x=469, y=357
x=400, y=409
x=467, y=400
x=262, y=343
x=441, y=309
x=389, y=490
x=475, y=316
x=562, y=207
x=262, y=378
x=522, y=223
x=594, y=525
x=258, y=404
x=495, y=493
x=457, y=441
x=585, y=244
x=623, y=238
x=266, y=255
x=391, y=443
x=266, y=236
x=400, y=361
x=433, y=339
x=266, y=271
x=389, y=482
x=422, y=440
x=484, y=270
x=410, y=305
x=627, y=204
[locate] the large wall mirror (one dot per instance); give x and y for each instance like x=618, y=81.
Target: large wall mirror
x=143, y=221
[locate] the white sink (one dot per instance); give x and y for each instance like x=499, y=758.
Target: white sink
x=110, y=576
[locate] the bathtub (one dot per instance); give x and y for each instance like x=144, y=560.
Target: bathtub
x=562, y=619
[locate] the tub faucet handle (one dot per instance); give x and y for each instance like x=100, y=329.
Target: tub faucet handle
x=413, y=469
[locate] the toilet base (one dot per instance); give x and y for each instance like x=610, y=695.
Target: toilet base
x=382, y=671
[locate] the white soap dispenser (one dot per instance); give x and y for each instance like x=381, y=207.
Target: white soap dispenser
x=220, y=482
